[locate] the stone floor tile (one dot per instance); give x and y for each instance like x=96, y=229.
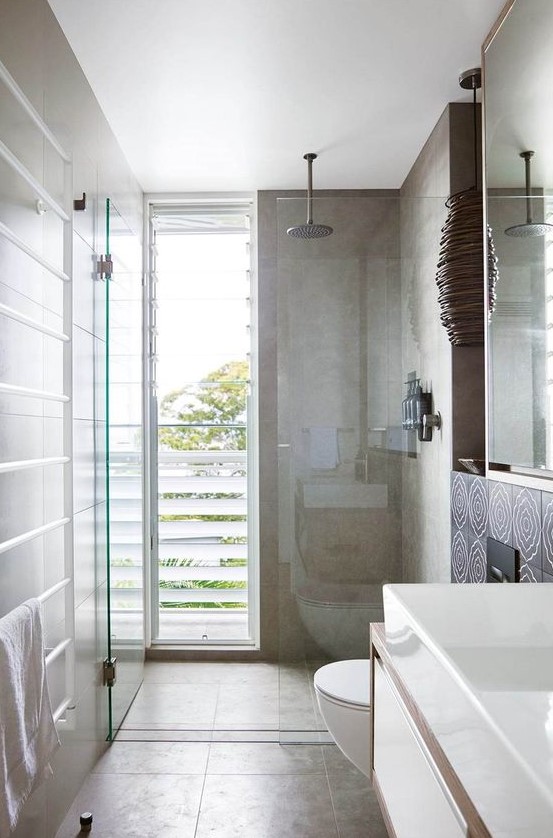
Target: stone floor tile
x=133, y=806
x=173, y=704
x=154, y=758
x=355, y=806
x=263, y=758
x=248, y=704
x=162, y=672
x=266, y=806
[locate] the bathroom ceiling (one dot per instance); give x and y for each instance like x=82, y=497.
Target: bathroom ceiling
x=228, y=95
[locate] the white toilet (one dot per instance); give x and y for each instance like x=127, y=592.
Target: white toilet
x=343, y=694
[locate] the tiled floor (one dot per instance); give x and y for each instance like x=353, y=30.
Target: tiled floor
x=172, y=788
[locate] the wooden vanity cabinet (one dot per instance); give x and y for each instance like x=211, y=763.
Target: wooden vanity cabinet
x=419, y=793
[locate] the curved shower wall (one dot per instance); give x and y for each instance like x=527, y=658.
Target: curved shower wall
x=339, y=417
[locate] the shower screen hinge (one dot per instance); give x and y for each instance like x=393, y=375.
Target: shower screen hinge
x=104, y=266
x=110, y=671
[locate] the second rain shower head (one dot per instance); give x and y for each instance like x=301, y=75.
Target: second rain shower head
x=530, y=229
x=309, y=230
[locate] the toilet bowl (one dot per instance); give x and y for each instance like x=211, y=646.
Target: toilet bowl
x=337, y=615
x=343, y=695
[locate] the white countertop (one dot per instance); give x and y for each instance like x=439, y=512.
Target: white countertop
x=478, y=660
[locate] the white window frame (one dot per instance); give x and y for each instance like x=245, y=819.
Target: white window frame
x=150, y=458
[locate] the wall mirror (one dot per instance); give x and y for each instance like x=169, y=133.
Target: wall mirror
x=518, y=77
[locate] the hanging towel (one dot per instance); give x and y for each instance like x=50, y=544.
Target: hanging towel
x=28, y=736
x=323, y=447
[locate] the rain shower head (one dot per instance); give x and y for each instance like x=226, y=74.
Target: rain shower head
x=309, y=230
x=530, y=229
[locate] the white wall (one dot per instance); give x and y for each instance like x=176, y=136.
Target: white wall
x=37, y=55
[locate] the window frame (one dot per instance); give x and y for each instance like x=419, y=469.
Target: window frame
x=151, y=578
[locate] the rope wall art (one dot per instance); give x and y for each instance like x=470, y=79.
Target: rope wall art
x=460, y=274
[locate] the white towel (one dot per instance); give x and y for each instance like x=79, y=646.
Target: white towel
x=28, y=736
x=323, y=447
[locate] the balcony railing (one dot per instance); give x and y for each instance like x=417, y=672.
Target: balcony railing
x=202, y=534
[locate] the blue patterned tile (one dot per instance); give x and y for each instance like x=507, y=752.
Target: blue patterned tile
x=547, y=531
x=527, y=525
x=500, y=514
x=477, y=568
x=478, y=507
x=459, y=500
x=459, y=556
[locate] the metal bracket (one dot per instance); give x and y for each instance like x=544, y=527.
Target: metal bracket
x=79, y=204
x=430, y=421
x=110, y=671
x=105, y=266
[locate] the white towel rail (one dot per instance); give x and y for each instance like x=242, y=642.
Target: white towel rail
x=64, y=646
x=17, y=166
x=14, y=390
x=44, y=263
x=58, y=650
x=59, y=586
x=28, y=536
x=18, y=94
x=13, y=314
x=66, y=704
x=64, y=651
x=20, y=465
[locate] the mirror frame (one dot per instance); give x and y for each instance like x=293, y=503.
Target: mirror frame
x=532, y=477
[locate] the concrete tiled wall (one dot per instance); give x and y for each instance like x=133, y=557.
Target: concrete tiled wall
x=316, y=350
x=453, y=375
x=39, y=58
x=512, y=514
x=426, y=350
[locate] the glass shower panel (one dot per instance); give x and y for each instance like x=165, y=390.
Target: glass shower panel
x=124, y=445
x=339, y=436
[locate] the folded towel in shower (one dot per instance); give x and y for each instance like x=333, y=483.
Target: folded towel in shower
x=323, y=447
x=28, y=736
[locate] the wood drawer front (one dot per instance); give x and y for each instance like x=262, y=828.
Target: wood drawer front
x=419, y=804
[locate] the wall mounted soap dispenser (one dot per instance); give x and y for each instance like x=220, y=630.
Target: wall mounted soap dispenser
x=416, y=410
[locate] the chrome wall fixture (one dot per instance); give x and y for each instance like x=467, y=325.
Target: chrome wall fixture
x=460, y=273
x=416, y=410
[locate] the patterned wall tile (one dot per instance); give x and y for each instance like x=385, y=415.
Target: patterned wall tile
x=478, y=507
x=500, y=515
x=527, y=525
x=547, y=531
x=459, y=500
x=459, y=556
x=547, y=577
x=477, y=567
x=530, y=573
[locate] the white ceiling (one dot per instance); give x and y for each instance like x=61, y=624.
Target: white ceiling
x=229, y=94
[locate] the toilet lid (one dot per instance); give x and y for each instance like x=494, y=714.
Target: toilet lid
x=347, y=681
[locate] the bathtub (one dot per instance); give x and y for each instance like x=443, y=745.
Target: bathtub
x=337, y=616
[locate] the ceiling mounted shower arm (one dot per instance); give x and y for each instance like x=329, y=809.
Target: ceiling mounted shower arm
x=472, y=80
x=310, y=157
x=310, y=230
x=530, y=228
x=527, y=156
